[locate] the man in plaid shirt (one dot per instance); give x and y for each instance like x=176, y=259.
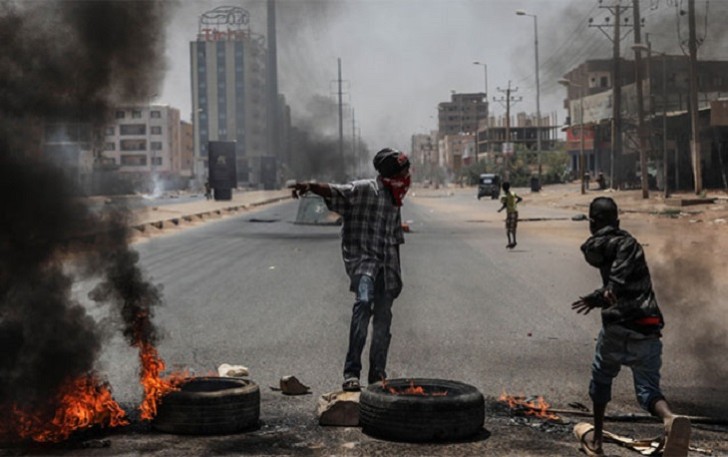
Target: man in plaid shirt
x=371, y=235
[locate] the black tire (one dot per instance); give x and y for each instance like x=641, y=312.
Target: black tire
x=210, y=406
x=416, y=418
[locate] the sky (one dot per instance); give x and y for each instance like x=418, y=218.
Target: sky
x=400, y=58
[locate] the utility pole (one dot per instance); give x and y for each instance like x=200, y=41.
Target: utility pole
x=695, y=139
x=615, y=38
x=342, y=171
x=640, y=99
x=353, y=142
x=508, y=148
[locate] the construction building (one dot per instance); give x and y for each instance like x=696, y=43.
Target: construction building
x=462, y=113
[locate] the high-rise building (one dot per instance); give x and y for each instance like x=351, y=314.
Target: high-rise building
x=229, y=99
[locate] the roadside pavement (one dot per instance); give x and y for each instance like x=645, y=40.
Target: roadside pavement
x=150, y=220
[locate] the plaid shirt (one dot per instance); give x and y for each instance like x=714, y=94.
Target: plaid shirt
x=371, y=233
x=621, y=262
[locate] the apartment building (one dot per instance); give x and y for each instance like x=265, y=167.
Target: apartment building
x=145, y=140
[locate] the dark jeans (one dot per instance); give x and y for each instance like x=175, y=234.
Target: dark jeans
x=371, y=300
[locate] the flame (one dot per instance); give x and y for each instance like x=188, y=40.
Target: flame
x=82, y=403
x=537, y=407
x=155, y=387
x=412, y=389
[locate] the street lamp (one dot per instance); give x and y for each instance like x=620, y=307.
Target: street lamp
x=567, y=83
x=538, y=89
x=487, y=123
x=639, y=47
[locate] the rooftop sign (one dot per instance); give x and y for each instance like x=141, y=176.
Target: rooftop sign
x=224, y=23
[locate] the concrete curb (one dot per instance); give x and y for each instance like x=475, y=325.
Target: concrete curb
x=162, y=223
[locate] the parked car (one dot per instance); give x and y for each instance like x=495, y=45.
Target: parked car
x=489, y=185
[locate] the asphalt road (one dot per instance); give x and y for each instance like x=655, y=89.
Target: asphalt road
x=273, y=296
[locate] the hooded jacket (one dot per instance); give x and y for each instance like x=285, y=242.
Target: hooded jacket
x=621, y=262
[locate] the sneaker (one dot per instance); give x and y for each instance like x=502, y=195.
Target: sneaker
x=351, y=385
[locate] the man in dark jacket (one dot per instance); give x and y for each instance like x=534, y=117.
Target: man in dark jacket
x=371, y=235
x=631, y=326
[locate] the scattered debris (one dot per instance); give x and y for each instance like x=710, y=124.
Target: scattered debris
x=96, y=444
x=579, y=217
x=290, y=385
x=232, y=371
x=265, y=221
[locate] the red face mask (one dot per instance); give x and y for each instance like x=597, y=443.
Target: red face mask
x=398, y=186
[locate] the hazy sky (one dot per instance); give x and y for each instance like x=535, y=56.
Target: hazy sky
x=400, y=58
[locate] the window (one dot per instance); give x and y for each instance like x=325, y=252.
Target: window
x=133, y=145
x=120, y=115
x=604, y=81
x=156, y=160
x=135, y=160
x=155, y=145
x=110, y=130
x=155, y=130
x=109, y=146
x=155, y=114
x=136, y=114
x=132, y=129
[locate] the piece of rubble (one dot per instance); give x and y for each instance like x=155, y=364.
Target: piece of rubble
x=290, y=385
x=232, y=371
x=96, y=444
x=339, y=408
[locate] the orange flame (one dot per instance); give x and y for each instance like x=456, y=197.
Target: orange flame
x=81, y=404
x=538, y=407
x=155, y=387
x=412, y=389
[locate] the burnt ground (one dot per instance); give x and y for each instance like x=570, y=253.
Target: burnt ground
x=289, y=433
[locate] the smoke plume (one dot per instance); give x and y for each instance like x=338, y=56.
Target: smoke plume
x=64, y=62
x=686, y=280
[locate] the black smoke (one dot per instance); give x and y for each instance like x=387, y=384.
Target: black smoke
x=65, y=62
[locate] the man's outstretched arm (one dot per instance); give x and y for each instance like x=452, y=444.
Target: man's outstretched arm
x=300, y=188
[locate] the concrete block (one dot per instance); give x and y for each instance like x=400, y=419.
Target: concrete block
x=339, y=408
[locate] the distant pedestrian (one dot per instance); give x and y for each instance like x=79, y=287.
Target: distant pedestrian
x=601, y=181
x=208, y=190
x=510, y=200
x=371, y=235
x=587, y=178
x=631, y=329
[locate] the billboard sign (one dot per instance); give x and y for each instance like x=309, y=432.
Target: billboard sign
x=222, y=165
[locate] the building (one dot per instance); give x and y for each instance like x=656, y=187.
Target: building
x=462, y=113
x=523, y=131
x=145, y=140
x=424, y=156
x=454, y=150
x=187, y=148
x=69, y=145
x=666, y=88
x=229, y=98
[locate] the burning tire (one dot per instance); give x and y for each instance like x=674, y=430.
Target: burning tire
x=210, y=406
x=443, y=411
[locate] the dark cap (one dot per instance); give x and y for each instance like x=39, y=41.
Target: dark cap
x=388, y=162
